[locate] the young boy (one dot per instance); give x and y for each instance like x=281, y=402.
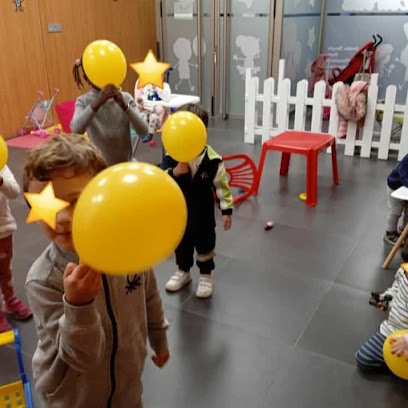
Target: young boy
x=198, y=180
x=370, y=354
x=12, y=305
x=92, y=328
x=396, y=179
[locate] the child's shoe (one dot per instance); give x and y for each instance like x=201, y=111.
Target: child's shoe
x=17, y=308
x=4, y=324
x=147, y=138
x=391, y=237
x=178, y=281
x=205, y=287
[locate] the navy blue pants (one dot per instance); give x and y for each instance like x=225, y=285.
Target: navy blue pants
x=370, y=354
x=203, y=240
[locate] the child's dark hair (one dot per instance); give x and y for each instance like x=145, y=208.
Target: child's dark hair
x=79, y=73
x=197, y=110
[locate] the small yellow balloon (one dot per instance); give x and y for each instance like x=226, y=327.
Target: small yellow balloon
x=398, y=365
x=184, y=136
x=104, y=63
x=303, y=196
x=129, y=217
x=3, y=153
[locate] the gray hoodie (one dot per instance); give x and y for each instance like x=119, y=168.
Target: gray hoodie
x=109, y=128
x=93, y=355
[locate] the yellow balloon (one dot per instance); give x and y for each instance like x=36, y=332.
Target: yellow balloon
x=398, y=365
x=184, y=136
x=128, y=218
x=3, y=153
x=104, y=63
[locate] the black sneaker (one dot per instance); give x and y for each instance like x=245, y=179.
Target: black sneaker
x=391, y=237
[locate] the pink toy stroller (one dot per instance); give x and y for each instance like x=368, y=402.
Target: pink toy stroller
x=40, y=118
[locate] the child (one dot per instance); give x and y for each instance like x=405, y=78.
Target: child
x=9, y=189
x=106, y=115
x=154, y=115
x=92, y=328
x=397, y=178
x=198, y=180
x=370, y=354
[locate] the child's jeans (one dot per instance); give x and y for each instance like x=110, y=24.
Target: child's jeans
x=370, y=354
x=6, y=253
x=396, y=208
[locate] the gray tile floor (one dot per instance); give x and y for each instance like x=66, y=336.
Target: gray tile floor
x=290, y=305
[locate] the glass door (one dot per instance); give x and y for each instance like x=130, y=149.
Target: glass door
x=245, y=38
x=183, y=24
x=302, y=27
x=235, y=35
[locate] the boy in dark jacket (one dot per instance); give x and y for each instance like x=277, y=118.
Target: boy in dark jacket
x=397, y=178
x=198, y=180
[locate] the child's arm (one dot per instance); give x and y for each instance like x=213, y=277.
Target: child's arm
x=8, y=184
x=69, y=327
x=393, y=290
x=132, y=112
x=156, y=323
x=223, y=191
x=82, y=117
x=84, y=113
x=403, y=171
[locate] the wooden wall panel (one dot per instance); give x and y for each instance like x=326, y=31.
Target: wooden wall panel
x=129, y=23
x=33, y=59
x=22, y=64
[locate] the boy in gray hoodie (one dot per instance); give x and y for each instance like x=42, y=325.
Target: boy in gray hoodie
x=92, y=328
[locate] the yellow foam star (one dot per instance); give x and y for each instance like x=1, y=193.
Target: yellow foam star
x=150, y=71
x=45, y=206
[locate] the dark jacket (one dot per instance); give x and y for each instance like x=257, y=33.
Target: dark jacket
x=209, y=177
x=399, y=176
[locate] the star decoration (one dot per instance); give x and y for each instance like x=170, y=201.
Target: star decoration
x=150, y=71
x=45, y=206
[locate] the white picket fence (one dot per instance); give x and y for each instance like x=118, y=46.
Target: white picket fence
x=277, y=104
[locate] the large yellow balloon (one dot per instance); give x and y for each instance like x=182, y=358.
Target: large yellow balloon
x=398, y=365
x=184, y=136
x=3, y=153
x=104, y=63
x=128, y=218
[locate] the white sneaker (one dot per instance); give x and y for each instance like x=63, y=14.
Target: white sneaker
x=178, y=280
x=205, y=287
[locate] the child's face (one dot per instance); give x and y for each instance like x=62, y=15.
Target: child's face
x=67, y=186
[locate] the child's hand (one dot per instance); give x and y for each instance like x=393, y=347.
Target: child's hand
x=226, y=222
x=380, y=305
x=81, y=284
x=399, y=347
x=180, y=169
x=161, y=357
x=118, y=98
x=104, y=95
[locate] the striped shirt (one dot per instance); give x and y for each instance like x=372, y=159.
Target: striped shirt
x=398, y=315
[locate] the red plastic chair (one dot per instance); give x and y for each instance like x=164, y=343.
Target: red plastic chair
x=308, y=144
x=242, y=175
x=65, y=112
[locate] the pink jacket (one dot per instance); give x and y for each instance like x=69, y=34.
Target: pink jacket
x=351, y=102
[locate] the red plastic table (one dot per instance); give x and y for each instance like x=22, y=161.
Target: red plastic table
x=308, y=144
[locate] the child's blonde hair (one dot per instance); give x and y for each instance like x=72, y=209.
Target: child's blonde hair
x=62, y=151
